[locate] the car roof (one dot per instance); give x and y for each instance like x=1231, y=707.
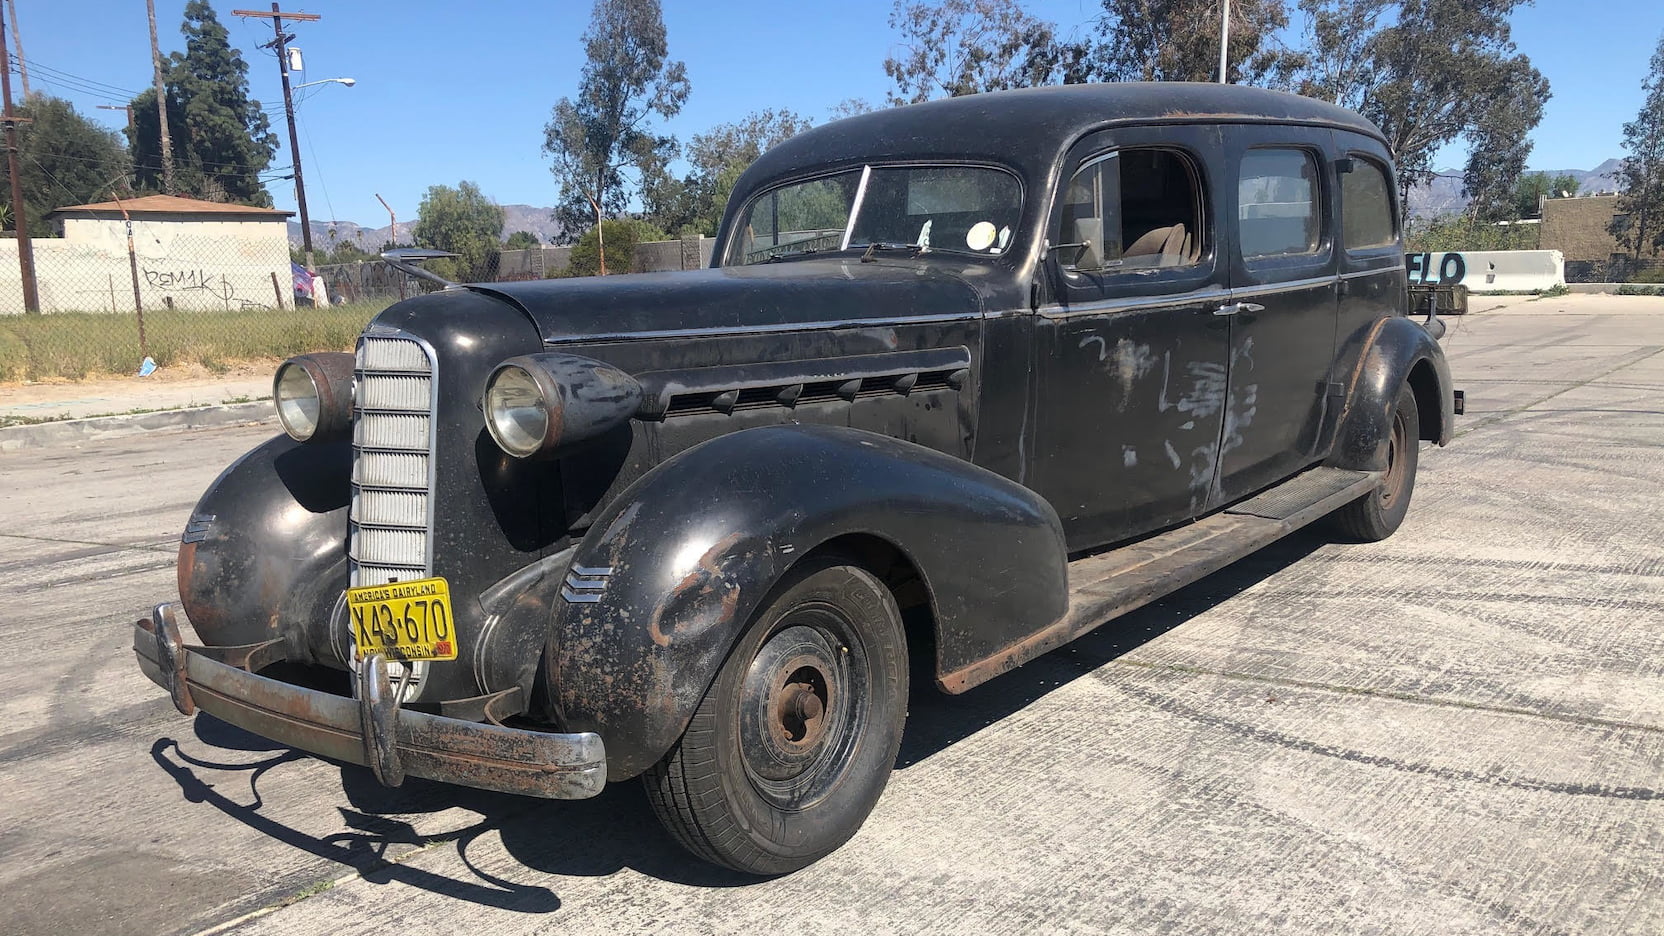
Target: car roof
x=1028, y=128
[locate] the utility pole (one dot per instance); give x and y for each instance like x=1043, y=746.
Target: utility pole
x=161, y=102
x=25, y=247
x=17, y=37
x=280, y=45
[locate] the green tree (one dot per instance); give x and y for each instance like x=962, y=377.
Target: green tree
x=621, y=235
x=1534, y=187
x=717, y=157
x=222, y=140
x=1428, y=72
x=595, y=138
x=465, y=222
x=63, y=159
x=1499, y=141
x=522, y=240
x=955, y=47
x=1178, y=40
x=1639, y=222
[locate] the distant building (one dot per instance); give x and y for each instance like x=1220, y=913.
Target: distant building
x=190, y=254
x=1577, y=227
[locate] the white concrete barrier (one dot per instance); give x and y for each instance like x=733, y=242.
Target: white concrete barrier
x=1489, y=270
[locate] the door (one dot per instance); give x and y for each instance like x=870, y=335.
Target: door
x=1283, y=305
x=1130, y=360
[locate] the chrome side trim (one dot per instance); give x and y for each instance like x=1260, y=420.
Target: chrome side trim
x=1378, y=271
x=196, y=531
x=1310, y=282
x=584, y=584
x=793, y=327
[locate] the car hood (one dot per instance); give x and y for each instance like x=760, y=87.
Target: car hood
x=800, y=293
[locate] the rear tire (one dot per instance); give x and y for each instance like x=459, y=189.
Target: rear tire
x=1376, y=515
x=792, y=745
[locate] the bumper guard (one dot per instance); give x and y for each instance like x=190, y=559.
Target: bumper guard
x=372, y=730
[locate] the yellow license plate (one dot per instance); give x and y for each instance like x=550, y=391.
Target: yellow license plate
x=403, y=620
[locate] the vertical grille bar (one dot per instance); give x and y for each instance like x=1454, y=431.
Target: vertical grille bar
x=391, y=538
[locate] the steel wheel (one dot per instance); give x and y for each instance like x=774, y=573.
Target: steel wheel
x=793, y=744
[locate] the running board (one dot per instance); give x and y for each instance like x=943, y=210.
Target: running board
x=1110, y=584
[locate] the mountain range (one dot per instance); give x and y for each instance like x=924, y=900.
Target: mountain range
x=326, y=234
x=1443, y=195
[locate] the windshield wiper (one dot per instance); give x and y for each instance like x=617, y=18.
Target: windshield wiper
x=880, y=245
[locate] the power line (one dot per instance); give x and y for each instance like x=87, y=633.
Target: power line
x=64, y=77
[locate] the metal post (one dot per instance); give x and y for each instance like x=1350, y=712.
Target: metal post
x=138, y=303
x=161, y=102
x=25, y=247
x=393, y=235
x=1224, y=40
x=277, y=290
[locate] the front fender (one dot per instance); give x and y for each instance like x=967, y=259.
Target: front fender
x=1398, y=350
x=265, y=555
x=669, y=576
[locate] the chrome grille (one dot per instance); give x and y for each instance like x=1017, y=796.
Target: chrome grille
x=391, y=536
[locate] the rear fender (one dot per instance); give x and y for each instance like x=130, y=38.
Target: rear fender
x=669, y=576
x=1399, y=350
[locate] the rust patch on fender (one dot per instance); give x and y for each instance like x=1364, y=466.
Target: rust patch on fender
x=696, y=589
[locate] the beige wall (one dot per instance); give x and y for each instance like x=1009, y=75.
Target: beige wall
x=184, y=262
x=1577, y=227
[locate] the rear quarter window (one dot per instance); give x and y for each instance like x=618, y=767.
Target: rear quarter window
x=1366, y=206
x=1279, y=207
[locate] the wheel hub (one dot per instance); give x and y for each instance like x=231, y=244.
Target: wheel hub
x=796, y=713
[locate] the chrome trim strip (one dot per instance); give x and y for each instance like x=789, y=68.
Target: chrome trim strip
x=1375, y=272
x=1111, y=306
x=854, y=210
x=588, y=572
x=794, y=327
x=576, y=598
x=1287, y=286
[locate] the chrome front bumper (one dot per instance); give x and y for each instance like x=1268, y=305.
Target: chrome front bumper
x=371, y=731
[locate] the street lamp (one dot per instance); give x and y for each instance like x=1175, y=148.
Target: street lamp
x=349, y=82
x=294, y=151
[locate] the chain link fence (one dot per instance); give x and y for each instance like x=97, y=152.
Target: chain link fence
x=209, y=293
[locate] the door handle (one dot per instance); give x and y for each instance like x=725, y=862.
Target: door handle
x=1232, y=308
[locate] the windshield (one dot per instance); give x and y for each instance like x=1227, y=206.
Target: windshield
x=959, y=209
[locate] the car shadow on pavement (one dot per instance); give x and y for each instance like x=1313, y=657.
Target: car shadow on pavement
x=616, y=830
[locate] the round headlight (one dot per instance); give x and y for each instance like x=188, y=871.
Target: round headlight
x=297, y=399
x=313, y=396
x=517, y=413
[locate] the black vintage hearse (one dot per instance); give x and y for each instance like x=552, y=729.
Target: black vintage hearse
x=965, y=380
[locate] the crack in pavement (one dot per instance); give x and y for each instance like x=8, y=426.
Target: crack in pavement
x=1586, y=721
x=1644, y=353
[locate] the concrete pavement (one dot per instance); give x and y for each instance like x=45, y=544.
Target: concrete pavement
x=1459, y=730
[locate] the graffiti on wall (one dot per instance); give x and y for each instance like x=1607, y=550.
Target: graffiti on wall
x=1445, y=269
x=197, y=279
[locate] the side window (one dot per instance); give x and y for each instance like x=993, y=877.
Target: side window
x=1366, y=207
x=1133, y=209
x=1279, y=209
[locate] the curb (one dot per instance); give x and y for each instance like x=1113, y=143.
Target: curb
x=96, y=428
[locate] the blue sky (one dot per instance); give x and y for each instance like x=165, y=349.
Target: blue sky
x=451, y=91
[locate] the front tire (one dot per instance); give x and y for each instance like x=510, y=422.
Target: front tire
x=793, y=744
x=1376, y=515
